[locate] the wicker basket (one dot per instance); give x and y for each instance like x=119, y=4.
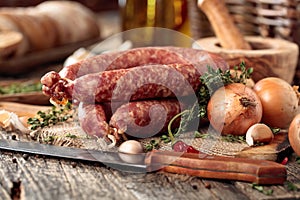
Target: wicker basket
x=267, y=18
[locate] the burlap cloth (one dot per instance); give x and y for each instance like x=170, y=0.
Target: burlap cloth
x=70, y=134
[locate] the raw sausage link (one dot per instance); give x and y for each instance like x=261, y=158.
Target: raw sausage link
x=92, y=119
x=144, y=119
x=147, y=82
x=146, y=56
x=109, y=61
x=122, y=60
x=200, y=59
x=164, y=55
x=90, y=65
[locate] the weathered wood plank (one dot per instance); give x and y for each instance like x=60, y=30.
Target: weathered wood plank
x=279, y=191
x=49, y=178
x=44, y=178
x=226, y=190
x=4, y=195
x=161, y=185
x=7, y=178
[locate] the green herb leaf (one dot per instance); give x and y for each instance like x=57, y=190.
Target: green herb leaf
x=49, y=139
x=234, y=138
x=51, y=117
x=290, y=186
x=165, y=138
x=71, y=136
x=298, y=160
x=262, y=189
x=275, y=130
x=153, y=144
x=201, y=135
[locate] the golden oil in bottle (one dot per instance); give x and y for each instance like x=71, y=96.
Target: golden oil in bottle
x=171, y=14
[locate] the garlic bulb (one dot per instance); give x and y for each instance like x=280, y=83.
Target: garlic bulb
x=10, y=121
x=78, y=55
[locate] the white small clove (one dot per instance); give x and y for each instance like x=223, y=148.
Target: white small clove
x=10, y=121
x=131, y=151
x=259, y=133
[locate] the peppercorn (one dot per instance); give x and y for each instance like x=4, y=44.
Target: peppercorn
x=25, y=156
x=14, y=160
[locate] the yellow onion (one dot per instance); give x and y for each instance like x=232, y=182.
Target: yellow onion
x=233, y=109
x=279, y=101
x=294, y=134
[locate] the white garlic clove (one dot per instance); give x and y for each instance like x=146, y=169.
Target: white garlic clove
x=17, y=123
x=10, y=121
x=131, y=151
x=4, y=119
x=259, y=133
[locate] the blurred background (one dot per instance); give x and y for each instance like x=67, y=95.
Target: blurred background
x=95, y=5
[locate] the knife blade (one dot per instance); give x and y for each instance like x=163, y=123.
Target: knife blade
x=111, y=159
x=202, y=165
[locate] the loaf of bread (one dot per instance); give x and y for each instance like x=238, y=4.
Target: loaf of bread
x=47, y=25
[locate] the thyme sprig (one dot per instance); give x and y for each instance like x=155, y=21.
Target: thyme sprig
x=50, y=117
x=188, y=115
x=212, y=80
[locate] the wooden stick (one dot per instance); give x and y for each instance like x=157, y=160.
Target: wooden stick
x=228, y=34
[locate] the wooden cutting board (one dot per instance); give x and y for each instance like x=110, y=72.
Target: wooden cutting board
x=22, y=110
x=277, y=150
x=37, y=98
x=34, y=97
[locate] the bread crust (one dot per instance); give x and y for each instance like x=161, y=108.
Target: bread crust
x=49, y=24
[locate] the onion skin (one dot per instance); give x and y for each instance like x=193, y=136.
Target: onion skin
x=294, y=134
x=279, y=101
x=228, y=114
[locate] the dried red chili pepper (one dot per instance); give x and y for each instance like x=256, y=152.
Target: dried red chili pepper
x=285, y=161
x=180, y=146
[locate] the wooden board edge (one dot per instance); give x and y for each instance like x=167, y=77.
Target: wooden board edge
x=278, y=149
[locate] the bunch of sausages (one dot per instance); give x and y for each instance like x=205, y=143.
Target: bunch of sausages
x=136, y=91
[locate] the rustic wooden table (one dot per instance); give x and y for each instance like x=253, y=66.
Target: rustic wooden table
x=36, y=177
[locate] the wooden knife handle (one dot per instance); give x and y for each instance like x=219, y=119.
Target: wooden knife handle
x=217, y=167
